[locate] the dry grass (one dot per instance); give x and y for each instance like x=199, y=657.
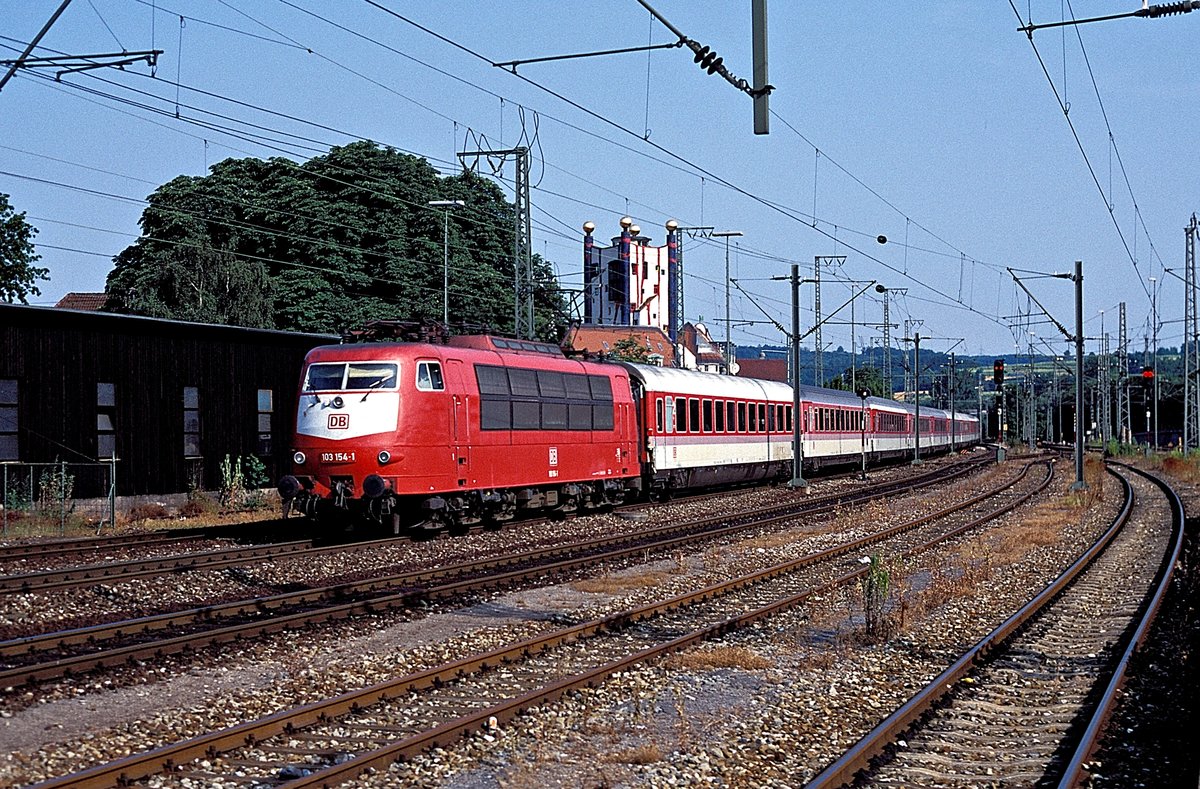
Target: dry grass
x=717, y=657
x=1186, y=469
x=647, y=753
x=615, y=584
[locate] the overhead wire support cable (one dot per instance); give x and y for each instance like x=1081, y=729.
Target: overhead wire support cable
x=1150, y=12
x=513, y=64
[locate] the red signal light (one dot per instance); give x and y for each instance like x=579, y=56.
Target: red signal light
x=1147, y=372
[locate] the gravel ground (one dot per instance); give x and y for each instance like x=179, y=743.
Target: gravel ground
x=683, y=721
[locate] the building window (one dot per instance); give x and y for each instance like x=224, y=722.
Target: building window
x=266, y=407
x=8, y=419
x=191, y=422
x=106, y=421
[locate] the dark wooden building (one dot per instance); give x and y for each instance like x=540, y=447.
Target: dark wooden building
x=168, y=399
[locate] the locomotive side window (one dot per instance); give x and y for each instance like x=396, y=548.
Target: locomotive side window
x=579, y=416
x=526, y=415
x=523, y=382
x=492, y=380
x=554, y=416
x=602, y=416
x=495, y=414
x=429, y=377
x=325, y=376
x=551, y=384
x=577, y=386
x=720, y=413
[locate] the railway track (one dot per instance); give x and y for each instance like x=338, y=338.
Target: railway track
x=1028, y=705
x=46, y=656
x=332, y=741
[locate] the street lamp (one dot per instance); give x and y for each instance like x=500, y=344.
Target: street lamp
x=727, y=234
x=864, y=393
x=447, y=205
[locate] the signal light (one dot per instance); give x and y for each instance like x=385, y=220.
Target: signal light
x=998, y=372
x=1148, y=373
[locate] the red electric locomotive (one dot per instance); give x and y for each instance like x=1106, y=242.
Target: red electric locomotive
x=476, y=430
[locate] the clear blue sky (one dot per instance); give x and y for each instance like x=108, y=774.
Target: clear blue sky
x=934, y=122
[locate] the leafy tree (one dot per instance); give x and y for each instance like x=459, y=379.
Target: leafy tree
x=630, y=350
x=17, y=272
x=327, y=245
x=866, y=376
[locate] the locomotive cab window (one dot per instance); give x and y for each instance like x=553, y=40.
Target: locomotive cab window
x=429, y=377
x=372, y=375
x=322, y=377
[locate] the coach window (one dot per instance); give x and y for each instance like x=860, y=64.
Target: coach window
x=720, y=413
x=693, y=415
x=191, y=422
x=708, y=416
x=770, y=418
x=779, y=418
x=741, y=422
x=680, y=415
x=669, y=414
x=8, y=419
x=762, y=417
x=752, y=418
x=429, y=378
x=787, y=418
x=658, y=415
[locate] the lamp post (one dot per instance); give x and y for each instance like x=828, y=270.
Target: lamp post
x=916, y=341
x=446, y=205
x=727, y=234
x=864, y=393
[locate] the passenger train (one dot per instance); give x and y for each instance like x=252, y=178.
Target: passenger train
x=484, y=428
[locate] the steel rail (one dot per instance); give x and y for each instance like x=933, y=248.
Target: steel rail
x=873, y=745
x=545, y=562
x=169, y=757
x=1075, y=772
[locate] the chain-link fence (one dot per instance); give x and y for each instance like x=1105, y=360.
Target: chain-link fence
x=57, y=498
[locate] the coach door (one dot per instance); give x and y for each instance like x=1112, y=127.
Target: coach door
x=460, y=422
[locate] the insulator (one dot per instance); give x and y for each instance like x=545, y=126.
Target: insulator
x=702, y=53
x=715, y=65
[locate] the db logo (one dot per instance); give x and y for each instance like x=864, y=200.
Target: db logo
x=339, y=421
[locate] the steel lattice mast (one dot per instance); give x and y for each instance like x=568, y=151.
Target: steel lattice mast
x=1123, y=426
x=1191, y=342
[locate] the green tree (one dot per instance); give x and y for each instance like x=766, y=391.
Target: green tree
x=326, y=245
x=630, y=350
x=866, y=376
x=17, y=256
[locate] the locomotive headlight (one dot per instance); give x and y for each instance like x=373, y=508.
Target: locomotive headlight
x=298, y=458
x=384, y=456
x=337, y=402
